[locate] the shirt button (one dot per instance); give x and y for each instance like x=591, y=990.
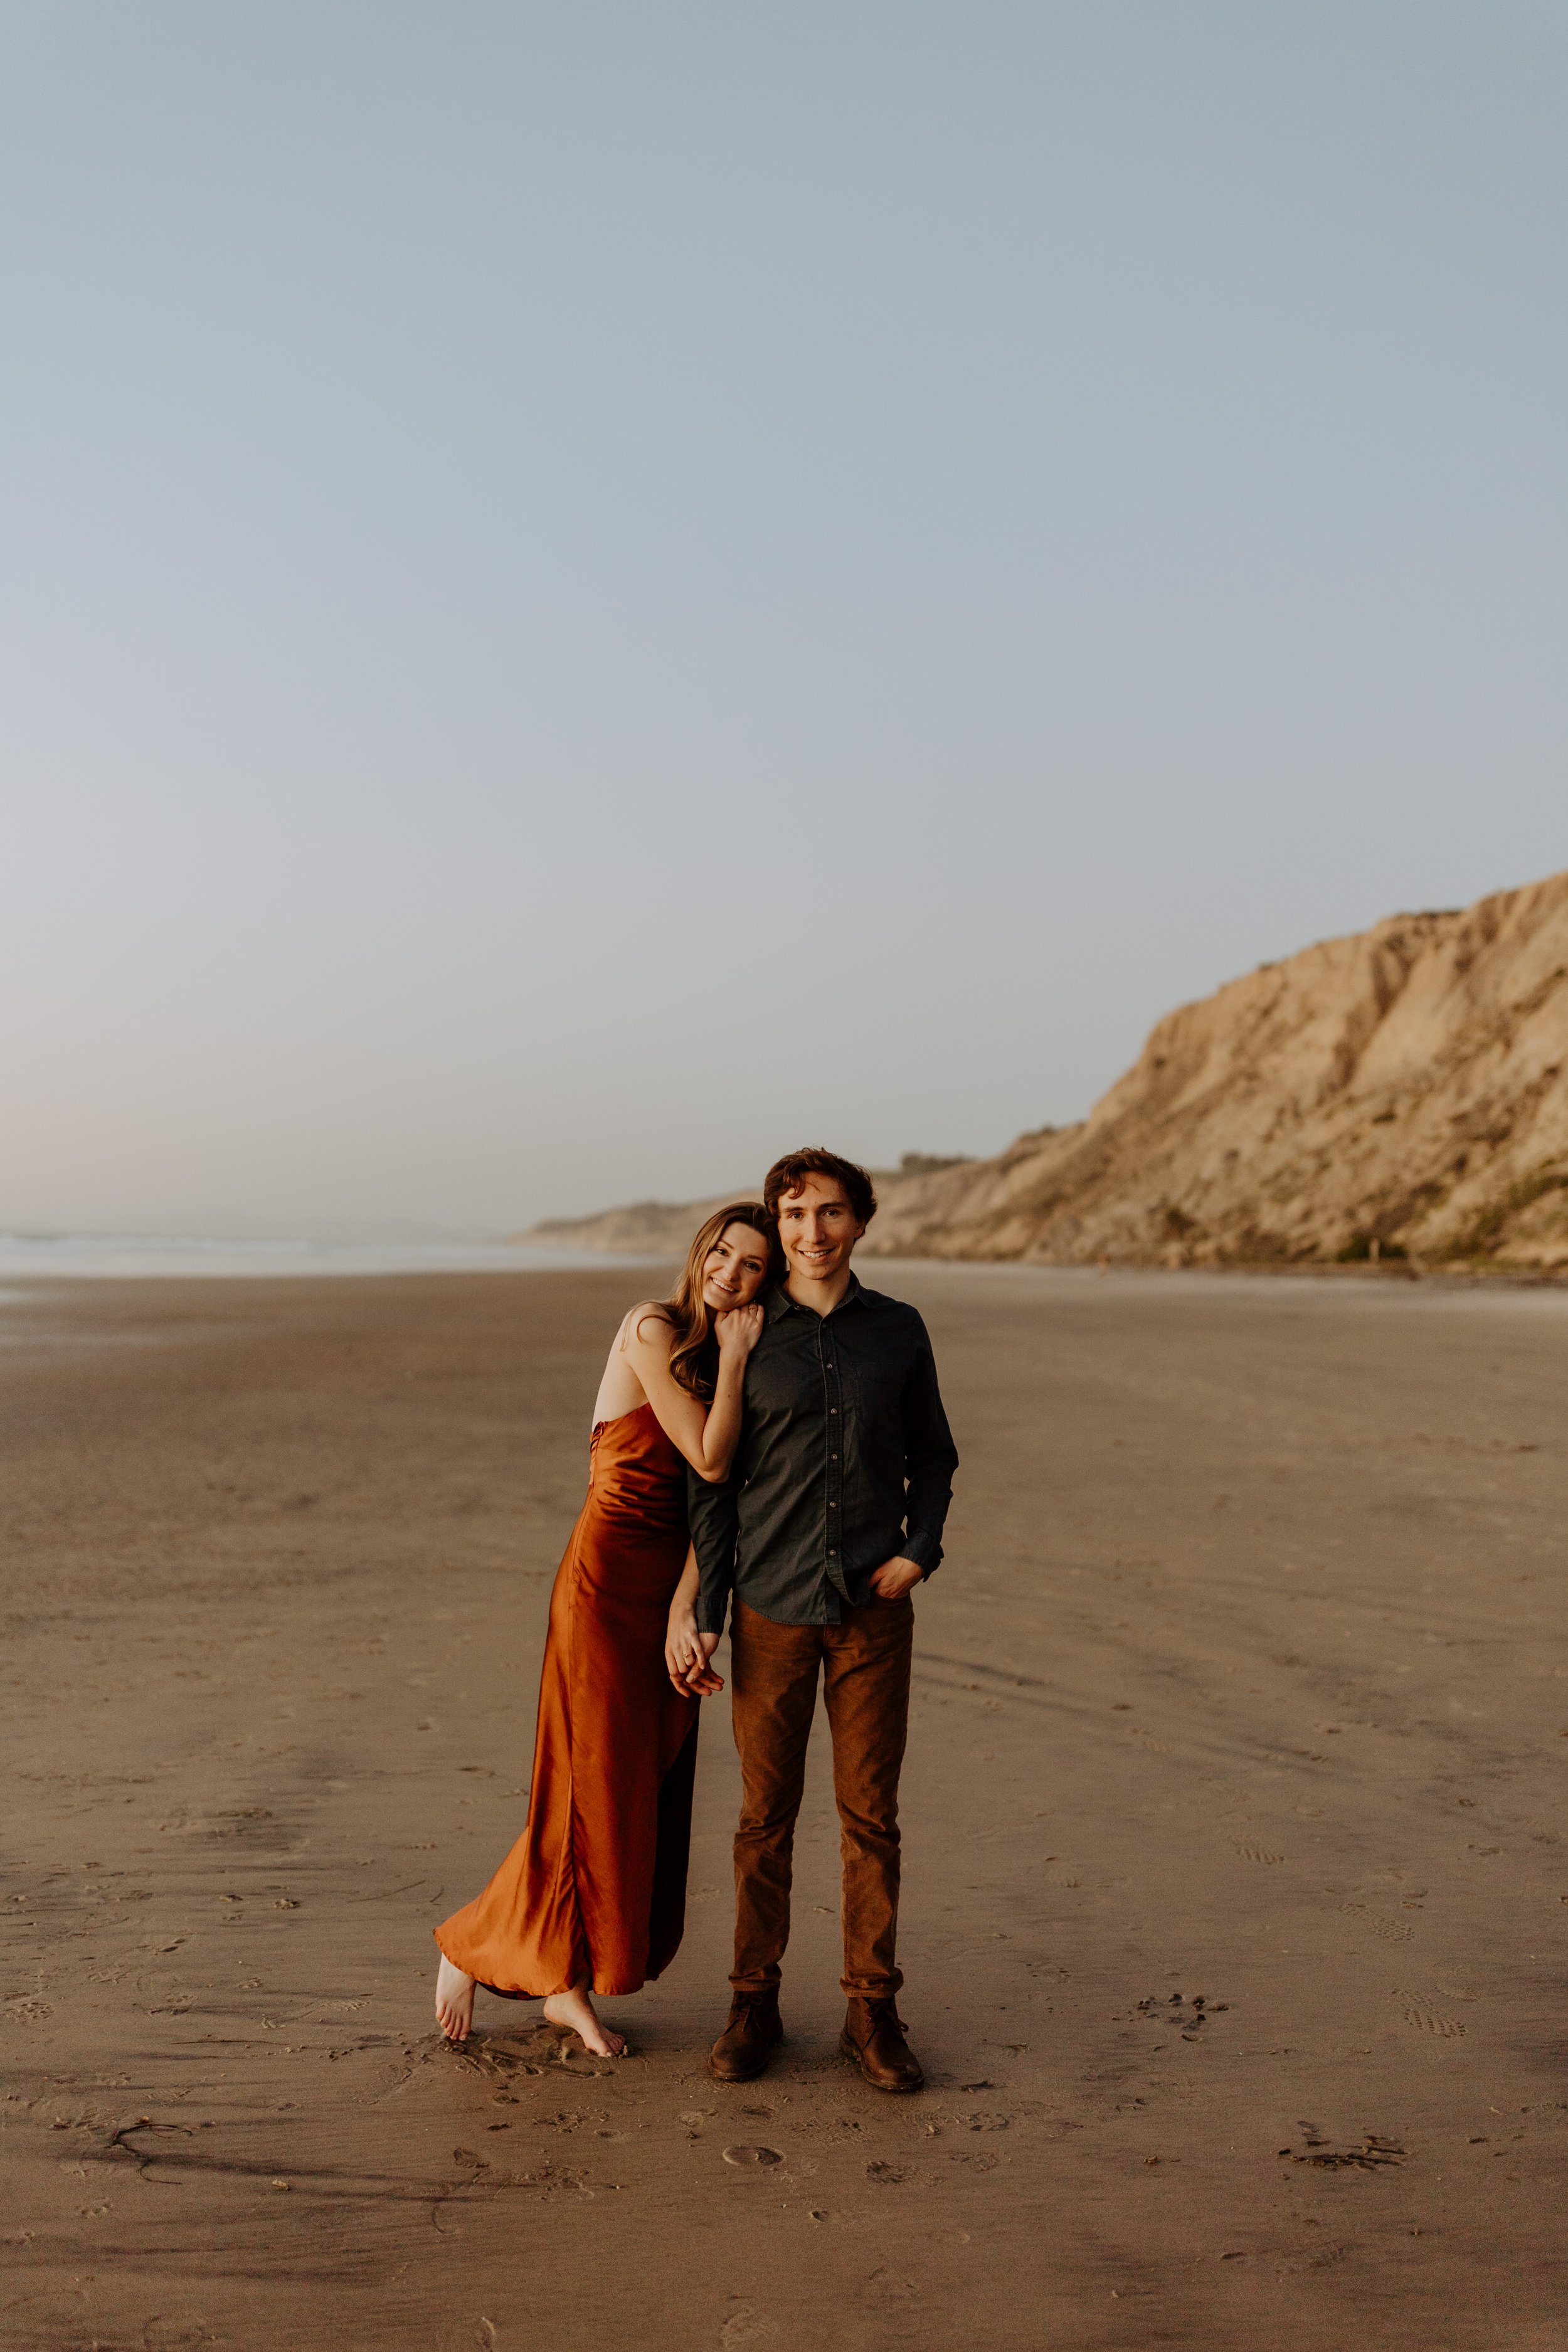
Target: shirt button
x=832, y=1457
x=833, y=1408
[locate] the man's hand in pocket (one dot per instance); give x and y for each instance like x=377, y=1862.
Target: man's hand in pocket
x=895, y=1578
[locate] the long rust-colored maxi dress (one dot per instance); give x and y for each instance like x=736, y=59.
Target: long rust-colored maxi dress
x=594, y=1889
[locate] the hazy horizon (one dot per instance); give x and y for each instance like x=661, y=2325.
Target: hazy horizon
x=593, y=594
x=371, y=1230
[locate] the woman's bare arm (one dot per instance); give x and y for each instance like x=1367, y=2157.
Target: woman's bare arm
x=707, y=1435
x=685, y=1651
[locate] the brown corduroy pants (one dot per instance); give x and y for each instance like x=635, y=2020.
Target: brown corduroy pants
x=865, y=1667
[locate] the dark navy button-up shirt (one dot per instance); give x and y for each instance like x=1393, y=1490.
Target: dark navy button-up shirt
x=845, y=1461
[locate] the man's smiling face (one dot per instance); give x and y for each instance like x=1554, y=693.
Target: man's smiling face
x=818, y=1229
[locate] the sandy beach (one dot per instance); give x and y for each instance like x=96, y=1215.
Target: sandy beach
x=1235, y=1889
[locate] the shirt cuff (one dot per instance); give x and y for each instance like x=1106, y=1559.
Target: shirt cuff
x=924, y=1549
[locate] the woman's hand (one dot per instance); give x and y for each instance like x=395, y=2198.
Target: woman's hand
x=738, y=1329
x=686, y=1654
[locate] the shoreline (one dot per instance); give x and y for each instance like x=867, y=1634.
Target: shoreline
x=357, y=1263
x=131, y=1257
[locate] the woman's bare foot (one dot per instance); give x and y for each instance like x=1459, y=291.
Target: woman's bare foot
x=574, y=2008
x=454, y=2000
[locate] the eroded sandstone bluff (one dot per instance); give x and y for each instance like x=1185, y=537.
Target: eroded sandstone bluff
x=1402, y=1090
x=1397, y=1093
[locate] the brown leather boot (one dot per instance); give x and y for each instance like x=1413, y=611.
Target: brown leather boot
x=749, y=2040
x=873, y=2040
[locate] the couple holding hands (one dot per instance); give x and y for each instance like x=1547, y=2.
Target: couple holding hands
x=768, y=1442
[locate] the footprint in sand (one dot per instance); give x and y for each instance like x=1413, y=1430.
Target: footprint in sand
x=1258, y=1853
x=1432, y=2021
x=1393, y=1931
x=1188, y=2018
x=1310, y=2258
x=747, y=2325
x=885, y=2286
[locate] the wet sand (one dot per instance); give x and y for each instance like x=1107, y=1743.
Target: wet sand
x=1235, y=1887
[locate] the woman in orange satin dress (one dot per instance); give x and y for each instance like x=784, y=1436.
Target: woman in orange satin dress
x=592, y=1898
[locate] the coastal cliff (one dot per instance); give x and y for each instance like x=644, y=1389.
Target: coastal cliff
x=1399, y=1092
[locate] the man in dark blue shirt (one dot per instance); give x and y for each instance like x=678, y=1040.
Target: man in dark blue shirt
x=831, y=1516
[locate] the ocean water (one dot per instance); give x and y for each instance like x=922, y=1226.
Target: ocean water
x=77, y=1256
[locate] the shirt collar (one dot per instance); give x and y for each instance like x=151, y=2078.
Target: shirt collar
x=780, y=1303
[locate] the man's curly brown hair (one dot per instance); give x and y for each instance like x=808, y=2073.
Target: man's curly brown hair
x=788, y=1174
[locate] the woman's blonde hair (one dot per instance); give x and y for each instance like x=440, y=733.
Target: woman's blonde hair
x=694, y=1356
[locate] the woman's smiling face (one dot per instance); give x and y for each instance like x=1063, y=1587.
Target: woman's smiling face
x=735, y=1268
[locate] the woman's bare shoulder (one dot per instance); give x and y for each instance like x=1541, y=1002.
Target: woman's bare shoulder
x=650, y=1325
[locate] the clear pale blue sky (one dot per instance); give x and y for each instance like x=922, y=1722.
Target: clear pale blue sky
x=593, y=591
